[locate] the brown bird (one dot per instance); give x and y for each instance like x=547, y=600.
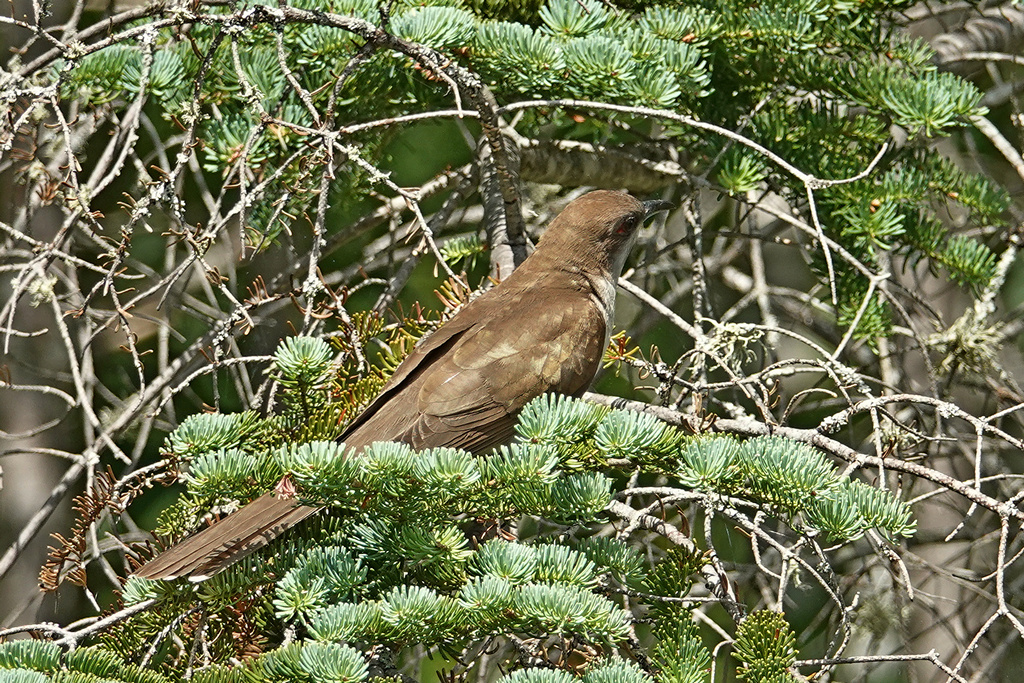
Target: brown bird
x=544, y=328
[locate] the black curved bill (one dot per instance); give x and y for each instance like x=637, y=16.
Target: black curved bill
x=654, y=206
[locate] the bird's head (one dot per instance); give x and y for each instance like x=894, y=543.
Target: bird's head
x=597, y=230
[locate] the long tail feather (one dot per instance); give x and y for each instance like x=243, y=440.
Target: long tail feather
x=227, y=541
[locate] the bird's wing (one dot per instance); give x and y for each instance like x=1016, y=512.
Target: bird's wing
x=466, y=390
x=357, y=434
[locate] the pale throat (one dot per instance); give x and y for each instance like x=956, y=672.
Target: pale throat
x=605, y=285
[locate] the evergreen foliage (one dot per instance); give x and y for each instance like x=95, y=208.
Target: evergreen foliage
x=806, y=65
x=445, y=554
x=31, y=661
x=679, y=654
x=392, y=564
x=766, y=646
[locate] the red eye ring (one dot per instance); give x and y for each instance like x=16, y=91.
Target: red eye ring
x=626, y=225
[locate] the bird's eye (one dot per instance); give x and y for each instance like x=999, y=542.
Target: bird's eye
x=626, y=225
